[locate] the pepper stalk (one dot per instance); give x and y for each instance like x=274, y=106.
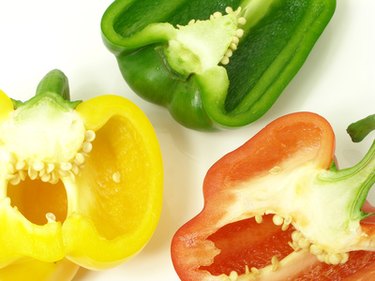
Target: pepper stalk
x=360, y=129
x=334, y=202
x=54, y=86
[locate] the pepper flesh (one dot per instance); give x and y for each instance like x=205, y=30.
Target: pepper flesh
x=283, y=211
x=30, y=269
x=75, y=185
x=206, y=75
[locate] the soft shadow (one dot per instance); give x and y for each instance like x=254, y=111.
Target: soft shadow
x=175, y=141
x=81, y=274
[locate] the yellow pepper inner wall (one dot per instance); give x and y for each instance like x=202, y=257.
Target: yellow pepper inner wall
x=117, y=171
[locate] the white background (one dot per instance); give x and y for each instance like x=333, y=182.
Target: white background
x=337, y=81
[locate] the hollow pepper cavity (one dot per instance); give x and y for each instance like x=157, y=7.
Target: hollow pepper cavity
x=285, y=211
x=79, y=181
x=217, y=63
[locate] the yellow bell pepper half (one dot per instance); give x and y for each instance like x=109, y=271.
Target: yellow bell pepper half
x=78, y=181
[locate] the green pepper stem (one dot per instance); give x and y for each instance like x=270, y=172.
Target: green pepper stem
x=55, y=86
x=360, y=129
x=366, y=170
x=357, y=181
x=55, y=81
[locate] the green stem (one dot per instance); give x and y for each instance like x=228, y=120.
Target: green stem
x=53, y=86
x=360, y=129
x=366, y=172
x=55, y=81
x=357, y=180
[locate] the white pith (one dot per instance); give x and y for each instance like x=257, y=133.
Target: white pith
x=43, y=143
x=203, y=44
x=320, y=214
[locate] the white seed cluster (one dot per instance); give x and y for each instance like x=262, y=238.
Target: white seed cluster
x=299, y=242
x=19, y=169
x=277, y=220
x=237, y=36
x=283, y=222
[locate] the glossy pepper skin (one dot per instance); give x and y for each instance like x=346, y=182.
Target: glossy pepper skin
x=275, y=208
x=80, y=181
x=210, y=65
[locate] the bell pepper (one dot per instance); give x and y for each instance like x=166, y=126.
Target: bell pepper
x=277, y=209
x=216, y=63
x=80, y=181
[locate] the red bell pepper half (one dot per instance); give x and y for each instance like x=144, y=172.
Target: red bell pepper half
x=277, y=209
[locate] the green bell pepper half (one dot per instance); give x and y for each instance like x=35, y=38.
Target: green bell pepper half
x=214, y=63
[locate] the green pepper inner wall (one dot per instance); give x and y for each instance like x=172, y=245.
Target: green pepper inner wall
x=180, y=12
x=263, y=44
x=199, y=10
x=34, y=199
